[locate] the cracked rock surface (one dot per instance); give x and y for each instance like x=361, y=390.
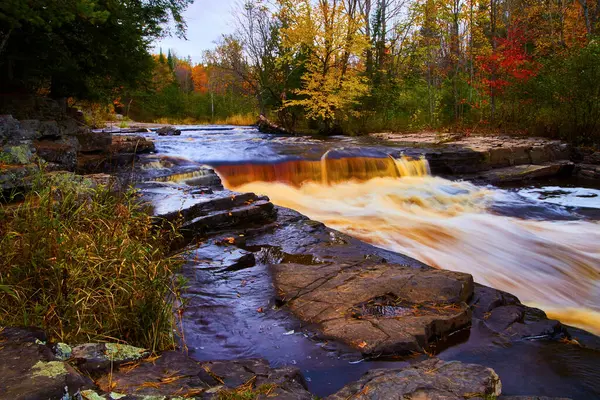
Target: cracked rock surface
x=377, y=308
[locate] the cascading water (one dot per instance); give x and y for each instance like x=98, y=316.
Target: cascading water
x=398, y=205
x=327, y=170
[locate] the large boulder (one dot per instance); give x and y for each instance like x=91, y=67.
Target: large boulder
x=377, y=308
x=168, y=131
x=429, y=380
x=30, y=371
x=131, y=144
x=93, y=141
x=62, y=151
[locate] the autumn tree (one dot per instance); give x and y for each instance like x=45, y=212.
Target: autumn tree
x=330, y=37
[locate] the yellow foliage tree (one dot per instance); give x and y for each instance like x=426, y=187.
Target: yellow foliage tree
x=328, y=33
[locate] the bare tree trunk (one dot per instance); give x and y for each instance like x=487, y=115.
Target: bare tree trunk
x=471, y=59
x=366, y=14
x=456, y=55
x=586, y=16
x=494, y=46
x=4, y=40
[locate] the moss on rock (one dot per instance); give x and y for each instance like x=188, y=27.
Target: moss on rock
x=124, y=352
x=49, y=369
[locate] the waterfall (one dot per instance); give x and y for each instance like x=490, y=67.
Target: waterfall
x=327, y=170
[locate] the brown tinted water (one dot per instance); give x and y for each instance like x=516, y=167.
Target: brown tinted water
x=553, y=265
x=536, y=242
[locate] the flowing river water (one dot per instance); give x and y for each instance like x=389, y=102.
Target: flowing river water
x=539, y=242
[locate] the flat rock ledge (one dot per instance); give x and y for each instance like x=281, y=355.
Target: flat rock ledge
x=34, y=370
x=378, y=309
x=460, y=154
x=431, y=379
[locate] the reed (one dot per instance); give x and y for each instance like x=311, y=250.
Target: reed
x=85, y=264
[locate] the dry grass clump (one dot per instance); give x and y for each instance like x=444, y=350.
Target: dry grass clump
x=247, y=391
x=85, y=264
x=237, y=119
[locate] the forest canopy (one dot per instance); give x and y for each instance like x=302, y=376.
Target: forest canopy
x=355, y=66
x=328, y=66
x=81, y=48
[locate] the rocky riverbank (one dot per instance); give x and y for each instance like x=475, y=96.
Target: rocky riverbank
x=499, y=159
x=345, y=295
x=341, y=289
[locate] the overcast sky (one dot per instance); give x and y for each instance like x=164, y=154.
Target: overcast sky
x=207, y=20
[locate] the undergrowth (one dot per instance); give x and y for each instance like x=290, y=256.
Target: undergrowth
x=237, y=119
x=85, y=264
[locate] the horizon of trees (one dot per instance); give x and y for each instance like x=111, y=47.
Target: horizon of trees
x=328, y=66
x=355, y=66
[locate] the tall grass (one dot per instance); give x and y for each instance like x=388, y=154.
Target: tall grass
x=237, y=119
x=85, y=264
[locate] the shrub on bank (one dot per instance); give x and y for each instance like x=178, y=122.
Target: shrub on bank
x=85, y=264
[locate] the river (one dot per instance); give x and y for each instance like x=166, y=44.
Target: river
x=539, y=241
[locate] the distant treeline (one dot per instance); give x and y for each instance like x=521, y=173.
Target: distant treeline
x=332, y=66
x=355, y=66
x=182, y=92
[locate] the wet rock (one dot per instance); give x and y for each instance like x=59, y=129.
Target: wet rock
x=377, y=308
x=131, y=144
x=485, y=299
x=204, y=207
x=588, y=171
x=593, y=158
x=266, y=126
x=430, y=379
x=285, y=382
x=29, y=370
x=99, y=163
x=460, y=154
x=525, y=172
x=259, y=212
x=98, y=357
x=196, y=217
x=504, y=314
x=220, y=257
x=501, y=318
x=168, y=131
x=170, y=374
